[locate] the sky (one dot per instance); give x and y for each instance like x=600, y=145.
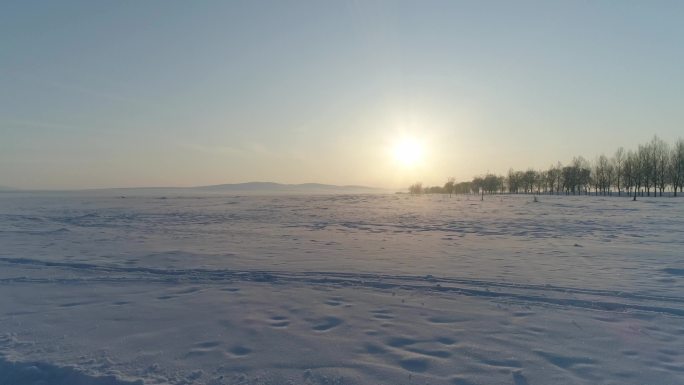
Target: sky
x=100, y=94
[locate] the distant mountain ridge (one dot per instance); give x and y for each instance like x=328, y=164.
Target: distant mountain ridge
x=281, y=187
x=245, y=188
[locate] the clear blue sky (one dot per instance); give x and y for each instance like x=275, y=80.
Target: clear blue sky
x=180, y=93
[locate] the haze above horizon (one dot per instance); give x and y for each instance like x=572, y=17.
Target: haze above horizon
x=381, y=94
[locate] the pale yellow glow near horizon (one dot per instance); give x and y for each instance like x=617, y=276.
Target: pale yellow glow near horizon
x=408, y=152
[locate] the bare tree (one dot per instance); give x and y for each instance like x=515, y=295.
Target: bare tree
x=618, y=164
x=559, y=177
x=677, y=166
x=582, y=174
x=595, y=176
x=642, y=170
x=463, y=188
x=540, y=181
x=630, y=171
x=478, y=185
x=514, y=181
x=490, y=183
x=610, y=176
x=569, y=179
x=449, y=186
x=529, y=180
x=501, y=181
x=646, y=168
x=604, y=174
x=552, y=175
x=416, y=188
x=662, y=160
x=654, y=165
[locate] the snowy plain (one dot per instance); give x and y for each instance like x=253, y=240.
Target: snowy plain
x=340, y=289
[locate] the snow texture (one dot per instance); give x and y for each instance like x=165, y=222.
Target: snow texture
x=341, y=289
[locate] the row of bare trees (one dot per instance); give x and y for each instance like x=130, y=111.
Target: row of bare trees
x=655, y=166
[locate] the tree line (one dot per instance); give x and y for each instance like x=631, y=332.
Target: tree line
x=655, y=166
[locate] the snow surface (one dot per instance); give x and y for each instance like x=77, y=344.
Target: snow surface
x=344, y=289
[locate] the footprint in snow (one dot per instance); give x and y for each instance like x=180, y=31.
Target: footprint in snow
x=461, y=381
x=418, y=365
x=327, y=323
x=230, y=289
x=334, y=301
x=204, y=348
x=446, y=340
x=519, y=379
x=208, y=344
x=430, y=353
x=279, y=321
x=240, y=351
x=382, y=314
x=397, y=342
x=372, y=348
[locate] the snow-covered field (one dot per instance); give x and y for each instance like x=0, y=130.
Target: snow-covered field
x=344, y=289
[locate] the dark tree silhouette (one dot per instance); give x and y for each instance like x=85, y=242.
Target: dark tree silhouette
x=655, y=165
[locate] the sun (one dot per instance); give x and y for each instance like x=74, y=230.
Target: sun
x=408, y=151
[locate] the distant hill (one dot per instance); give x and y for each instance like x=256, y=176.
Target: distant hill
x=236, y=188
x=271, y=187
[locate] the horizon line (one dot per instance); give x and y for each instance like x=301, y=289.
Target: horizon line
x=255, y=182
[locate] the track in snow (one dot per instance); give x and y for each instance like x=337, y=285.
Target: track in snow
x=602, y=300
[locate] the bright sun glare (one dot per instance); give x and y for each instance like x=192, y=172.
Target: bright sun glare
x=408, y=152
